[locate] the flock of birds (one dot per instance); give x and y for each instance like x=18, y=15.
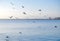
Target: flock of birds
x=25, y=12
x=21, y=7
x=7, y=37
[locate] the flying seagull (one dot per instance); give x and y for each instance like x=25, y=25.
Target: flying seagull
x=11, y=17
x=24, y=12
x=39, y=10
x=22, y=6
x=7, y=36
x=20, y=32
x=11, y=3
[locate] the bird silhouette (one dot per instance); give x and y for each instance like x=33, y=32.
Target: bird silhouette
x=11, y=17
x=55, y=26
x=39, y=10
x=7, y=36
x=24, y=12
x=12, y=3
x=22, y=6
x=20, y=32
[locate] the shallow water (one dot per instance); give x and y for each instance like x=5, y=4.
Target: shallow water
x=31, y=30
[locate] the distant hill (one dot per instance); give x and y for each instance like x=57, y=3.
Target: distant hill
x=58, y=18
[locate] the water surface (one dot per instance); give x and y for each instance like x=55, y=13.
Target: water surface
x=31, y=30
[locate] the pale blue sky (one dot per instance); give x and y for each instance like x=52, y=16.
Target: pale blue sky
x=49, y=8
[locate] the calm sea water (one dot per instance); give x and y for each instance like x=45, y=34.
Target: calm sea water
x=30, y=30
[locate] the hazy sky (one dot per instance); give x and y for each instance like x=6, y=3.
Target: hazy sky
x=49, y=8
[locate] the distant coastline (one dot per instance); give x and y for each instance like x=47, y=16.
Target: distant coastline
x=29, y=19
x=56, y=18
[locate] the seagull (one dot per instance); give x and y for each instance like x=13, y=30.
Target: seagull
x=11, y=3
x=7, y=36
x=22, y=6
x=24, y=12
x=11, y=17
x=39, y=10
x=55, y=26
x=20, y=32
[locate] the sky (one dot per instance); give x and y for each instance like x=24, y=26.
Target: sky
x=49, y=8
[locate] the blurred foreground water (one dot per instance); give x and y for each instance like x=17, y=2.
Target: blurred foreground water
x=29, y=30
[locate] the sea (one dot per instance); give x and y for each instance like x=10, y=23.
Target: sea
x=29, y=30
